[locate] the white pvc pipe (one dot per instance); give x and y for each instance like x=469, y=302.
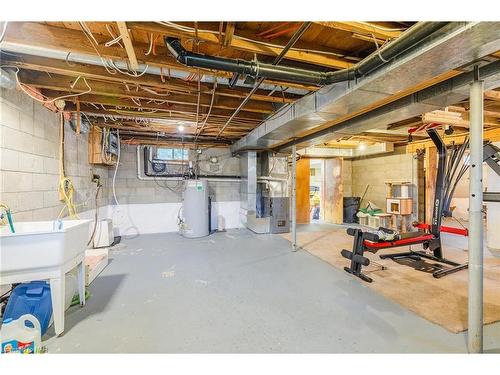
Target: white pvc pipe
x=475, y=302
x=294, y=199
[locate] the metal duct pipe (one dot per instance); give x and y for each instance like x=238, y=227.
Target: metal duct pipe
x=437, y=96
x=84, y=58
x=407, y=40
x=250, y=68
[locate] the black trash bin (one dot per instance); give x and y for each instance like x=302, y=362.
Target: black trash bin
x=351, y=208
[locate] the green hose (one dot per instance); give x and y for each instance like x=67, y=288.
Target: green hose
x=76, y=298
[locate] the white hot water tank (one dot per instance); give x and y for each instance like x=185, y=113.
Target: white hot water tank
x=195, y=209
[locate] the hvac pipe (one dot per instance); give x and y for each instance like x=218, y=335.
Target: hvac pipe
x=294, y=199
x=296, y=36
x=179, y=178
x=409, y=39
x=84, y=58
x=475, y=301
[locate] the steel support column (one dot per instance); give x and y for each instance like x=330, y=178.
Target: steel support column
x=475, y=305
x=294, y=199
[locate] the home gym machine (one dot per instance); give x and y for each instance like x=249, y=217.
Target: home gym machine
x=448, y=175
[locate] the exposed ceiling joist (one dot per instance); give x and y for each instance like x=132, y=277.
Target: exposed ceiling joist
x=228, y=34
x=364, y=28
x=247, y=45
x=54, y=66
x=168, y=110
x=127, y=42
x=74, y=41
x=67, y=84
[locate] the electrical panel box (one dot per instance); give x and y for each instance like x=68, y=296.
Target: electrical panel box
x=98, y=155
x=110, y=142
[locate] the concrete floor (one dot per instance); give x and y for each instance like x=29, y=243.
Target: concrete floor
x=237, y=292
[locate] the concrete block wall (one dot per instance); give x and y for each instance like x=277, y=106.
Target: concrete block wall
x=29, y=164
x=376, y=170
x=131, y=190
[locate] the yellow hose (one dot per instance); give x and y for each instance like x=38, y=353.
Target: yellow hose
x=66, y=188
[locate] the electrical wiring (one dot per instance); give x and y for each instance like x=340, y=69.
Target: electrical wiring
x=130, y=73
x=66, y=188
x=96, y=217
x=136, y=101
x=381, y=27
x=153, y=91
x=115, y=40
x=93, y=42
x=116, y=168
x=209, y=111
x=150, y=45
x=45, y=100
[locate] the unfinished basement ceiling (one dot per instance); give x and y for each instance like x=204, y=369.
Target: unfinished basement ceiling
x=122, y=76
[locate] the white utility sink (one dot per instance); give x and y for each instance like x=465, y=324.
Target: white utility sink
x=45, y=250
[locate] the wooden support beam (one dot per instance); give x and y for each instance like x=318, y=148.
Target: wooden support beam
x=492, y=95
x=454, y=118
x=492, y=135
x=127, y=42
x=363, y=28
x=228, y=34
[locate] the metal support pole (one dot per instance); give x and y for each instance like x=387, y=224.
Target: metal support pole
x=475, y=308
x=294, y=200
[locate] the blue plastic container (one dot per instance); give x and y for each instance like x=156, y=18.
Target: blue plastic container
x=31, y=298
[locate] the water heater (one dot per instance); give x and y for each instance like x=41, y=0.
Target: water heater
x=195, y=215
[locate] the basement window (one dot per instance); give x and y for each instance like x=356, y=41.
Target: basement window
x=171, y=154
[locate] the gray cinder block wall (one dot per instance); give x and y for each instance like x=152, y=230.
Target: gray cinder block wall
x=132, y=190
x=29, y=164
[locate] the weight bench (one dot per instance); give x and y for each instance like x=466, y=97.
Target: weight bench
x=430, y=237
x=367, y=241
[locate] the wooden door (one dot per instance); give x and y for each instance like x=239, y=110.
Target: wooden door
x=303, y=180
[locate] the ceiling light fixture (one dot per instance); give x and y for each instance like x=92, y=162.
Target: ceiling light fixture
x=180, y=128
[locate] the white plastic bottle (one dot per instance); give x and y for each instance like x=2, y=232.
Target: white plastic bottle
x=17, y=337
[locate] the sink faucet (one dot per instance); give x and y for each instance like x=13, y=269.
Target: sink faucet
x=6, y=208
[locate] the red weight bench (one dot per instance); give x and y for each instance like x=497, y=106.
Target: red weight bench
x=430, y=237
x=367, y=241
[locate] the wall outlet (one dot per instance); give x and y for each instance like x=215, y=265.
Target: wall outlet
x=96, y=179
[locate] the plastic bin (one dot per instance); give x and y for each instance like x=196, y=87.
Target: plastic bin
x=30, y=298
x=351, y=207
